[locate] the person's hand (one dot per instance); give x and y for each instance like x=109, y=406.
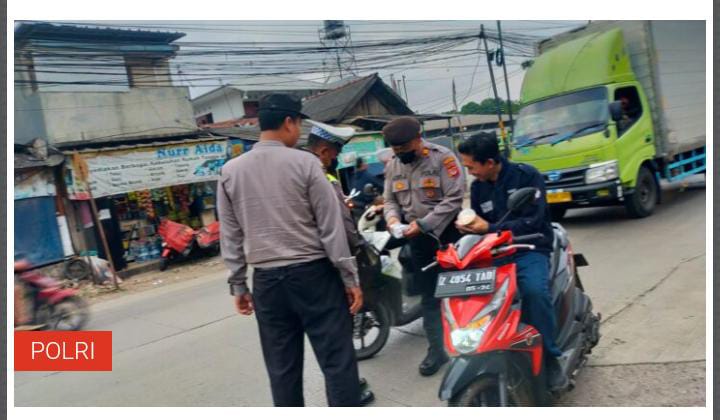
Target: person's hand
x=413, y=230
x=244, y=304
x=355, y=298
x=378, y=208
x=478, y=225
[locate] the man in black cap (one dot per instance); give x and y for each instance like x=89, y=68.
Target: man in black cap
x=423, y=183
x=279, y=214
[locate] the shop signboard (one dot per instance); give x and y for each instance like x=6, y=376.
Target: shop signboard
x=124, y=170
x=362, y=146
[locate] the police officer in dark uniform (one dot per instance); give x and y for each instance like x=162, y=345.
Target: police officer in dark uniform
x=496, y=179
x=423, y=182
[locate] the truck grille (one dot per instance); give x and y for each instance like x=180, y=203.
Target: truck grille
x=565, y=178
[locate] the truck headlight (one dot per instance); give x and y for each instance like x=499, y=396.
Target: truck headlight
x=601, y=172
x=466, y=340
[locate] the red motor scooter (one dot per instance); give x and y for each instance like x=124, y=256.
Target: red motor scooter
x=183, y=242
x=498, y=359
x=51, y=305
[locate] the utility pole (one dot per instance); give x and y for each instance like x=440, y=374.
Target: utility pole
x=393, y=82
x=507, y=82
x=495, y=93
x=454, y=95
x=405, y=87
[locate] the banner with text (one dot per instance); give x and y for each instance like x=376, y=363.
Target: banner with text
x=122, y=171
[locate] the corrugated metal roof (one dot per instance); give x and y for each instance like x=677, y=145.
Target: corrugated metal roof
x=59, y=32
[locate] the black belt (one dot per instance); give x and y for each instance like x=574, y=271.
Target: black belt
x=294, y=266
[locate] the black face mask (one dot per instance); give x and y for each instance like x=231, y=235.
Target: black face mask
x=333, y=165
x=406, y=157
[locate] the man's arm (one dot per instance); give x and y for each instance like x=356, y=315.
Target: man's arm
x=326, y=208
x=532, y=218
x=452, y=183
x=231, y=241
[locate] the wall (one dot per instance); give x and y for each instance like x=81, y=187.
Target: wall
x=227, y=106
x=70, y=116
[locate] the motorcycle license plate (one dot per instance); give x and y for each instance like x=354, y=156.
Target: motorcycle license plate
x=464, y=283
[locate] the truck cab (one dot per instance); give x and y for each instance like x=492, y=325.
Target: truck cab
x=588, y=125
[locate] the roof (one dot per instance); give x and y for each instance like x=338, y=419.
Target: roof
x=252, y=133
x=128, y=139
x=333, y=105
x=24, y=160
x=235, y=122
x=59, y=32
x=264, y=83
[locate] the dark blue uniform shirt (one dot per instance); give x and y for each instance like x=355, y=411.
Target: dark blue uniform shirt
x=363, y=178
x=489, y=200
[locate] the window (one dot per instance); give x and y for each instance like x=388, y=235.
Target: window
x=204, y=119
x=631, y=105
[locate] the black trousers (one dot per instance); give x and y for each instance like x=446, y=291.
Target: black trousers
x=306, y=299
x=423, y=250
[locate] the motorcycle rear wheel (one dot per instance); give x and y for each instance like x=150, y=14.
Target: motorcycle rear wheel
x=70, y=314
x=484, y=392
x=372, y=318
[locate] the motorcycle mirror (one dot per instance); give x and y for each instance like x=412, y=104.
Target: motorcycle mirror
x=522, y=198
x=424, y=229
x=369, y=189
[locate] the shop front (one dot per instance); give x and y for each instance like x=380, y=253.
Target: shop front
x=134, y=188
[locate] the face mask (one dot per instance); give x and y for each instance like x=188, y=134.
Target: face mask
x=333, y=165
x=406, y=157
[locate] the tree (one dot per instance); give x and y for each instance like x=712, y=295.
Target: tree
x=487, y=107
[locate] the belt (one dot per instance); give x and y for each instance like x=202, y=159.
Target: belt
x=294, y=266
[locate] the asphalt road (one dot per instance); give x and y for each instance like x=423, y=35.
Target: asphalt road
x=182, y=344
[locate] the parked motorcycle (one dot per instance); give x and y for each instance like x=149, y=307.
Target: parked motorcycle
x=51, y=305
x=497, y=359
x=384, y=283
x=183, y=242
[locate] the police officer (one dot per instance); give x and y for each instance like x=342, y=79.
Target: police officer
x=279, y=214
x=496, y=179
x=423, y=182
x=326, y=142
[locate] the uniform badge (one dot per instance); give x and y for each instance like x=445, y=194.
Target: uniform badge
x=426, y=152
x=486, y=207
x=451, y=167
x=399, y=186
x=429, y=182
x=430, y=193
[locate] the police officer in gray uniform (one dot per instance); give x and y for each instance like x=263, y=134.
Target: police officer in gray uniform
x=423, y=182
x=279, y=214
x=326, y=142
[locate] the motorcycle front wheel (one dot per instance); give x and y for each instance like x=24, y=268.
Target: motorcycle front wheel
x=70, y=314
x=485, y=392
x=371, y=329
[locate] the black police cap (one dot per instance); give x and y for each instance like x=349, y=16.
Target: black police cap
x=280, y=102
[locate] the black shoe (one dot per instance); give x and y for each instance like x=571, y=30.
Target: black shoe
x=363, y=384
x=557, y=380
x=432, y=362
x=366, y=397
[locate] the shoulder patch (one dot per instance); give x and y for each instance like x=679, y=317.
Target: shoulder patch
x=451, y=167
x=426, y=152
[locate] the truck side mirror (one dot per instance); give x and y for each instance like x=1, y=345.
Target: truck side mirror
x=615, y=111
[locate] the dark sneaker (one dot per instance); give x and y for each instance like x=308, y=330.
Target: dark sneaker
x=557, y=380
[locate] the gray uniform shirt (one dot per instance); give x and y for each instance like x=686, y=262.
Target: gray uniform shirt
x=430, y=189
x=276, y=208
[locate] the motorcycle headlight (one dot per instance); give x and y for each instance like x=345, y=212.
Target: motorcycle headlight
x=601, y=172
x=466, y=340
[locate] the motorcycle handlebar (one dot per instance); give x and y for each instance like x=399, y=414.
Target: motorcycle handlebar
x=429, y=266
x=530, y=237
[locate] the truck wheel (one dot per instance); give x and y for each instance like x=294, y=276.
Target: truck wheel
x=641, y=203
x=557, y=213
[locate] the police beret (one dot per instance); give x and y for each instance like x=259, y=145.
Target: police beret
x=401, y=130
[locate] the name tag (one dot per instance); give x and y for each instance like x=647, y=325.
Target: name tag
x=486, y=207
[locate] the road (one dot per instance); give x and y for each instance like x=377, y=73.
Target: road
x=182, y=344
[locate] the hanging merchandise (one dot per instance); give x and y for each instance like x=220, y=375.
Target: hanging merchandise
x=145, y=203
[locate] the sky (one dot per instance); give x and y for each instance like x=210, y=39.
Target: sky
x=429, y=84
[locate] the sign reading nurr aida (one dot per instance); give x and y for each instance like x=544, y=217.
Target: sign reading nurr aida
x=53, y=351
x=122, y=170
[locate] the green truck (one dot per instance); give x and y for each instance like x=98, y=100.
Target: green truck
x=612, y=108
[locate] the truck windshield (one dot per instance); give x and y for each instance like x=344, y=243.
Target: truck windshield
x=545, y=121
